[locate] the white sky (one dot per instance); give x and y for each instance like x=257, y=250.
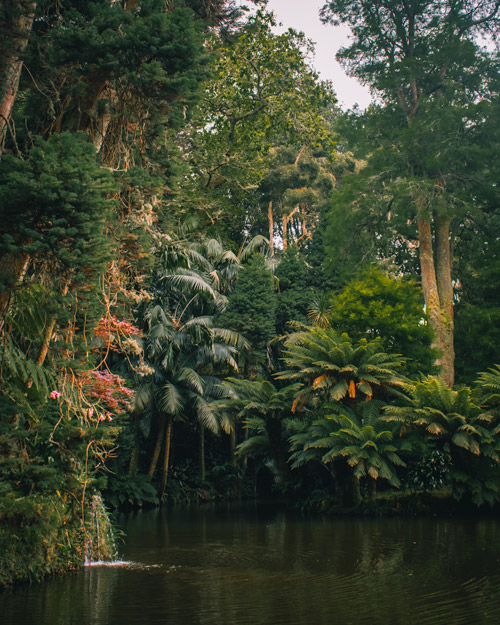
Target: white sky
x=303, y=15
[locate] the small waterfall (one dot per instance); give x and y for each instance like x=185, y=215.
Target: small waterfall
x=101, y=544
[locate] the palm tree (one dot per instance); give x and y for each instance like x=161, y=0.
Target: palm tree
x=444, y=415
x=358, y=437
x=454, y=424
x=348, y=381
x=264, y=410
x=331, y=366
x=320, y=311
x=181, y=353
x=222, y=265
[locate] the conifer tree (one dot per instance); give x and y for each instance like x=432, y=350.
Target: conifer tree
x=251, y=311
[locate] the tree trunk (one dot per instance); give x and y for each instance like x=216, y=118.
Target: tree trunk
x=202, y=453
x=373, y=489
x=49, y=331
x=13, y=269
x=16, y=29
x=157, y=449
x=232, y=446
x=285, y=232
x=270, y=219
x=166, y=458
x=445, y=290
x=440, y=311
x=42, y=354
x=356, y=491
x=134, y=456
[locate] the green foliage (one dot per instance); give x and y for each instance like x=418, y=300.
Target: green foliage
x=30, y=529
x=107, y=151
x=435, y=35
x=487, y=389
x=264, y=410
x=477, y=319
x=360, y=437
x=124, y=490
x=251, y=309
x=374, y=305
x=115, y=59
x=454, y=425
x=335, y=368
x=430, y=472
x=295, y=293
x=261, y=93
x=55, y=206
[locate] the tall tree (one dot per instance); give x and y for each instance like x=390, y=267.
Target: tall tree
x=261, y=93
x=375, y=304
x=16, y=20
x=251, y=310
x=424, y=61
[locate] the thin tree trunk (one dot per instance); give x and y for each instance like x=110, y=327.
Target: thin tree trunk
x=14, y=268
x=101, y=128
x=271, y=226
x=232, y=446
x=42, y=354
x=134, y=457
x=286, y=220
x=49, y=331
x=202, y=453
x=296, y=163
x=356, y=487
x=445, y=290
x=16, y=31
x=156, y=452
x=166, y=458
x=432, y=300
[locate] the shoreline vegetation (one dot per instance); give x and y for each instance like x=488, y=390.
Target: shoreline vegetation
x=215, y=284
x=35, y=548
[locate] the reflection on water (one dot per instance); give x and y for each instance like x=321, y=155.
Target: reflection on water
x=262, y=566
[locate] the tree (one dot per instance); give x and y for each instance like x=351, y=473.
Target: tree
x=54, y=209
x=264, y=409
x=293, y=190
x=455, y=425
x=424, y=61
x=262, y=93
x=359, y=437
x=377, y=305
x=295, y=293
x=332, y=366
x=251, y=311
x=179, y=349
x=16, y=19
x=350, y=380
x=477, y=296
x=88, y=158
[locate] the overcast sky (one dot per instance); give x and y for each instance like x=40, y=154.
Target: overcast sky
x=303, y=15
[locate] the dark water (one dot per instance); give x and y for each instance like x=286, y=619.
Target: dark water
x=262, y=566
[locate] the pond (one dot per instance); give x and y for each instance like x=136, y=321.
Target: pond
x=260, y=565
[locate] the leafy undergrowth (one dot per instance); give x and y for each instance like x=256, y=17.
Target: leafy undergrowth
x=41, y=536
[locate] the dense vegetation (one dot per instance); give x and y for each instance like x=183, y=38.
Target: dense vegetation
x=214, y=283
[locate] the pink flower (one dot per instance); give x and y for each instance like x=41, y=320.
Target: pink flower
x=91, y=412
x=55, y=394
x=110, y=418
x=101, y=417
